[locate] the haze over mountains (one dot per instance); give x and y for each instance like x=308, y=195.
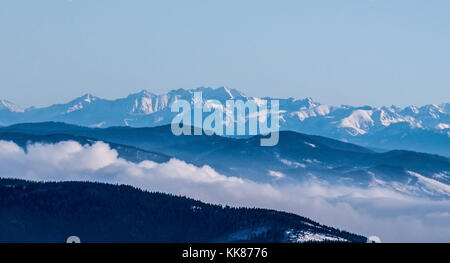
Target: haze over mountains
x=297, y=158
x=423, y=129
x=327, y=156
x=315, y=158
x=397, y=195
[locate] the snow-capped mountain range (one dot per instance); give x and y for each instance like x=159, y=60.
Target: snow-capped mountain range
x=425, y=129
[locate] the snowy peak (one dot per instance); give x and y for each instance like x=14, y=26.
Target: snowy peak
x=142, y=94
x=410, y=110
x=7, y=105
x=86, y=98
x=345, y=122
x=359, y=122
x=445, y=107
x=142, y=102
x=220, y=94
x=432, y=110
x=146, y=103
x=81, y=102
x=309, y=102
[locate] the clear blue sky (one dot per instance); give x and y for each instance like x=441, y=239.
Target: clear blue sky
x=377, y=52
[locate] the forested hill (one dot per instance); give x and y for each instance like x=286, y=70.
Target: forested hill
x=96, y=212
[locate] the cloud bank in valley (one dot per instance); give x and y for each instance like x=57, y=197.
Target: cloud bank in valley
x=369, y=211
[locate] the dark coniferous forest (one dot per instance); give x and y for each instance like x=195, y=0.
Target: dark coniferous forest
x=96, y=212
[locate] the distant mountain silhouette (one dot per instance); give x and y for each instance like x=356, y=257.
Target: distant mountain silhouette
x=297, y=157
x=127, y=152
x=423, y=129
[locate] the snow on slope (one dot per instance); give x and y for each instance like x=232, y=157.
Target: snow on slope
x=144, y=109
x=359, y=121
x=307, y=236
x=433, y=186
x=443, y=126
x=7, y=105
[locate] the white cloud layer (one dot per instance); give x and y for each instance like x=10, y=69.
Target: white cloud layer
x=373, y=211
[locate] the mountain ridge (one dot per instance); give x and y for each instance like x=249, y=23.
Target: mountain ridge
x=296, y=158
x=376, y=127
x=53, y=211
